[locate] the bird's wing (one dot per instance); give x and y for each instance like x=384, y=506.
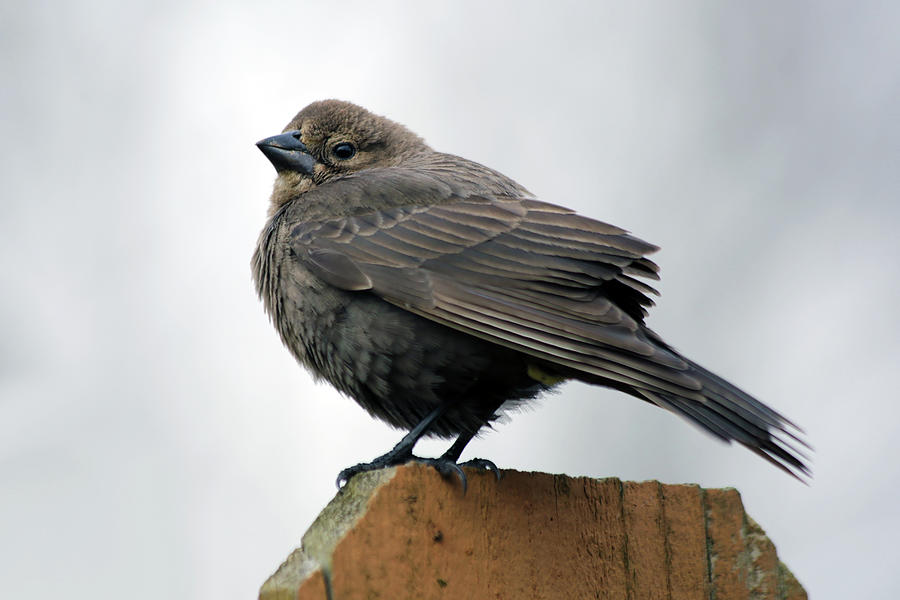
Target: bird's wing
x=531, y=276
x=519, y=272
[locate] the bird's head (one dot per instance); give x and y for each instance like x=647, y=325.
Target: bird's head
x=330, y=139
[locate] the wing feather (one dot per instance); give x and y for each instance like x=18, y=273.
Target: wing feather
x=537, y=278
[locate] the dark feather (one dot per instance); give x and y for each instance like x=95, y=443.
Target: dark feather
x=536, y=278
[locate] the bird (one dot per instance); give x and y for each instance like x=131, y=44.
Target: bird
x=440, y=294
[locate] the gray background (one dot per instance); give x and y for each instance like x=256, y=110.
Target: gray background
x=154, y=435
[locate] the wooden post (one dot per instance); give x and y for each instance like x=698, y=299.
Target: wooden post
x=408, y=533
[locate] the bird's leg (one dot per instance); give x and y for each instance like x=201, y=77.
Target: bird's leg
x=402, y=453
x=453, y=453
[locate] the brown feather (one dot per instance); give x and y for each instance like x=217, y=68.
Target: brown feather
x=403, y=232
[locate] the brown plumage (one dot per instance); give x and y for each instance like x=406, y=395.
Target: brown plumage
x=436, y=292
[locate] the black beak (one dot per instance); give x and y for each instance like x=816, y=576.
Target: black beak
x=287, y=153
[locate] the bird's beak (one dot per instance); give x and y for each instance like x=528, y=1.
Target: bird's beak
x=287, y=153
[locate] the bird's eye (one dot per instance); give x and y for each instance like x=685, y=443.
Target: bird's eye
x=344, y=151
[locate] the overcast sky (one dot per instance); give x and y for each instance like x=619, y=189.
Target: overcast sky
x=156, y=437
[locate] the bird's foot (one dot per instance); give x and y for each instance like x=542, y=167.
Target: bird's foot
x=391, y=459
x=483, y=464
x=445, y=466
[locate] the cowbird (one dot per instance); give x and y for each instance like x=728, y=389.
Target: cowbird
x=439, y=293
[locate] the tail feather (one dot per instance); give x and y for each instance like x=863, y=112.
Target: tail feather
x=731, y=414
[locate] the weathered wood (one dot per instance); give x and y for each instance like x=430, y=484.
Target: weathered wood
x=408, y=533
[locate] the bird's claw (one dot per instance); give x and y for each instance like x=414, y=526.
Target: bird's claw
x=391, y=459
x=483, y=464
x=344, y=476
x=446, y=468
